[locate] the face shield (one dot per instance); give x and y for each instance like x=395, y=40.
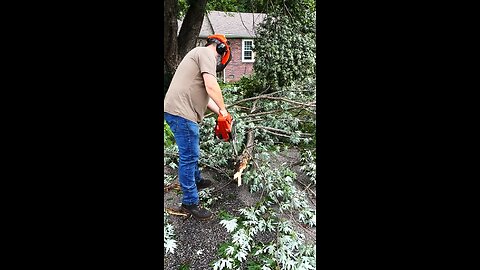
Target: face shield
x=222, y=62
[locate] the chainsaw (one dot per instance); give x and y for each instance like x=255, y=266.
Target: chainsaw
x=225, y=130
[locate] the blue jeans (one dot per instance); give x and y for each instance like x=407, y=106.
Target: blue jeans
x=187, y=137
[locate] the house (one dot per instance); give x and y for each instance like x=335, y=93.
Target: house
x=240, y=29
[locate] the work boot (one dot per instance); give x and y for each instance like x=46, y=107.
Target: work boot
x=197, y=212
x=203, y=184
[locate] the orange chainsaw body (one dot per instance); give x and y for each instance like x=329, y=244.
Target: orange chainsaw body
x=224, y=128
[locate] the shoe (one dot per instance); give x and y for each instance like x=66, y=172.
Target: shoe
x=197, y=212
x=203, y=184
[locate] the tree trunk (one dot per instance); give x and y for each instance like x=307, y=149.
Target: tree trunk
x=191, y=26
x=170, y=29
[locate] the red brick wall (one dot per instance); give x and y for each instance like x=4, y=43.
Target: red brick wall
x=236, y=68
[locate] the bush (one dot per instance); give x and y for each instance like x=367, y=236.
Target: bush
x=168, y=138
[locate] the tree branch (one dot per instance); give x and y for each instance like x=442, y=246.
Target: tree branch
x=245, y=157
x=311, y=104
x=274, y=111
x=283, y=131
x=254, y=98
x=268, y=96
x=277, y=134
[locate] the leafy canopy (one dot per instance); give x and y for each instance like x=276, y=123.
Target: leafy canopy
x=286, y=45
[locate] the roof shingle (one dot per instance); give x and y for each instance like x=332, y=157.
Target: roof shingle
x=231, y=24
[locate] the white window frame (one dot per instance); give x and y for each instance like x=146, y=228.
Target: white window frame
x=243, y=51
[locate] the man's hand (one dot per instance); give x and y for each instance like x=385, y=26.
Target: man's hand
x=226, y=115
x=223, y=128
x=229, y=118
x=223, y=112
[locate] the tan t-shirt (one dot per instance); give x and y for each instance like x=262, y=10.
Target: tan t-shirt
x=187, y=96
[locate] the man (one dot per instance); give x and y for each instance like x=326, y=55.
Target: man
x=193, y=88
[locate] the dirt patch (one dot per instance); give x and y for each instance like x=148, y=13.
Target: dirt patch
x=198, y=241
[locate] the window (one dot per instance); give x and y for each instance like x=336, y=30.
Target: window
x=247, y=50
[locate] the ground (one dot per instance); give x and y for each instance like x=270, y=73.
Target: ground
x=198, y=241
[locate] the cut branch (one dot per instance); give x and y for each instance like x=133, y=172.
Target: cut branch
x=242, y=161
x=244, y=158
x=277, y=134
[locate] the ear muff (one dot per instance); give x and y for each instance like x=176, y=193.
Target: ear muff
x=223, y=49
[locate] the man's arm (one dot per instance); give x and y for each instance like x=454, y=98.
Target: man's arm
x=213, y=106
x=215, y=93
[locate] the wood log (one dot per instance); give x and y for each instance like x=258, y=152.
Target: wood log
x=244, y=158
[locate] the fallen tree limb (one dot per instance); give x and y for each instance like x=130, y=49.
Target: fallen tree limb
x=279, y=119
x=253, y=98
x=279, y=110
x=307, y=188
x=269, y=96
x=242, y=161
x=283, y=131
x=244, y=158
x=311, y=104
x=175, y=212
x=243, y=107
x=277, y=134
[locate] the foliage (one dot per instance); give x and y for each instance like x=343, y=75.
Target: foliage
x=207, y=198
x=251, y=85
x=169, y=244
x=168, y=138
x=256, y=6
x=309, y=165
x=225, y=5
x=266, y=6
x=285, y=48
x=286, y=250
x=182, y=9
x=216, y=5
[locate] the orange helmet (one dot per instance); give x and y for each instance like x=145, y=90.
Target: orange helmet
x=223, y=48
